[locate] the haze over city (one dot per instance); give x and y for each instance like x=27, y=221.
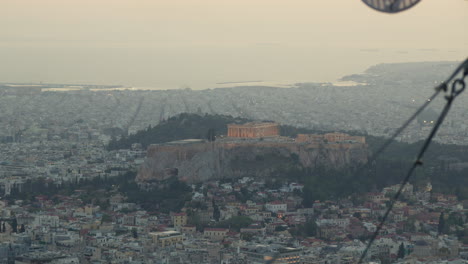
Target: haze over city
x=173, y=44
x=233, y=132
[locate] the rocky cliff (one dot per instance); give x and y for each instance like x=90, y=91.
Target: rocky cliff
x=195, y=161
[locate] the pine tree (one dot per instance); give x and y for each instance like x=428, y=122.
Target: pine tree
x=216, y=211
x=441, y=226
x=401, y=251
x=211, y=135
x=14, y=225
x=310, y=227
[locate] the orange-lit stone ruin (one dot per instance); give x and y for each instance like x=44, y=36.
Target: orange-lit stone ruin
x=271, y=129
x=253, y=130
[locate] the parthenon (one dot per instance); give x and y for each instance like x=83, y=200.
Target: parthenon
x=253, y=130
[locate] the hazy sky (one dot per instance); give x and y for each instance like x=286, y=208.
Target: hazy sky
x=197, y=43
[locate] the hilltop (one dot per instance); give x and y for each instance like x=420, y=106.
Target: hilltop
x=182, y=126
x=444, y=164
x=189, y=125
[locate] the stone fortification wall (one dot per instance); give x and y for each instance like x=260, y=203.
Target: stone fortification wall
x=199, y=161
x=330, y=138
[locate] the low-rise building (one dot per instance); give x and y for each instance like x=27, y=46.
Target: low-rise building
x=215, y=233
x=276, y=206
x=259, y=254
x=166, y=238
x=179, y=219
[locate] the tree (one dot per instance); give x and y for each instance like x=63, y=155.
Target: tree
x=104, y=205
x=297, y=192
x=280, y=228
x=444, y=251
x=14, y=225
x=134, y=233
x=247, y=236
x=310, y=227
x=441, y=226
x=216, y=212
x=401, y=251
x=307, y=229
x=106, y=218
x=211, y=135
x=22, y=229
x=195, y=219
x=236, y=222
x=357, y=215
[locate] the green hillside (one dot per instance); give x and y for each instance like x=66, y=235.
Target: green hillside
x=183, y=126
x=323, y=183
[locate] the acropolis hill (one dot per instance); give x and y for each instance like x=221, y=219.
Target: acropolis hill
x=251, y=149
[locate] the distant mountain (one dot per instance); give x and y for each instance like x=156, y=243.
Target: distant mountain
x=393, y=73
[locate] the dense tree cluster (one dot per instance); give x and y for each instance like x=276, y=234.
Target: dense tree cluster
x=179, y=127
x=171, y=195
x=235, y=222
x=323, y=183
x=307, y=229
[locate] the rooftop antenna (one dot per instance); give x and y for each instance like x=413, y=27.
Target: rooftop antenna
x=391, y=6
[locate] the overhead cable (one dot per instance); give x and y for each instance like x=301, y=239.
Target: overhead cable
x=457, y=87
